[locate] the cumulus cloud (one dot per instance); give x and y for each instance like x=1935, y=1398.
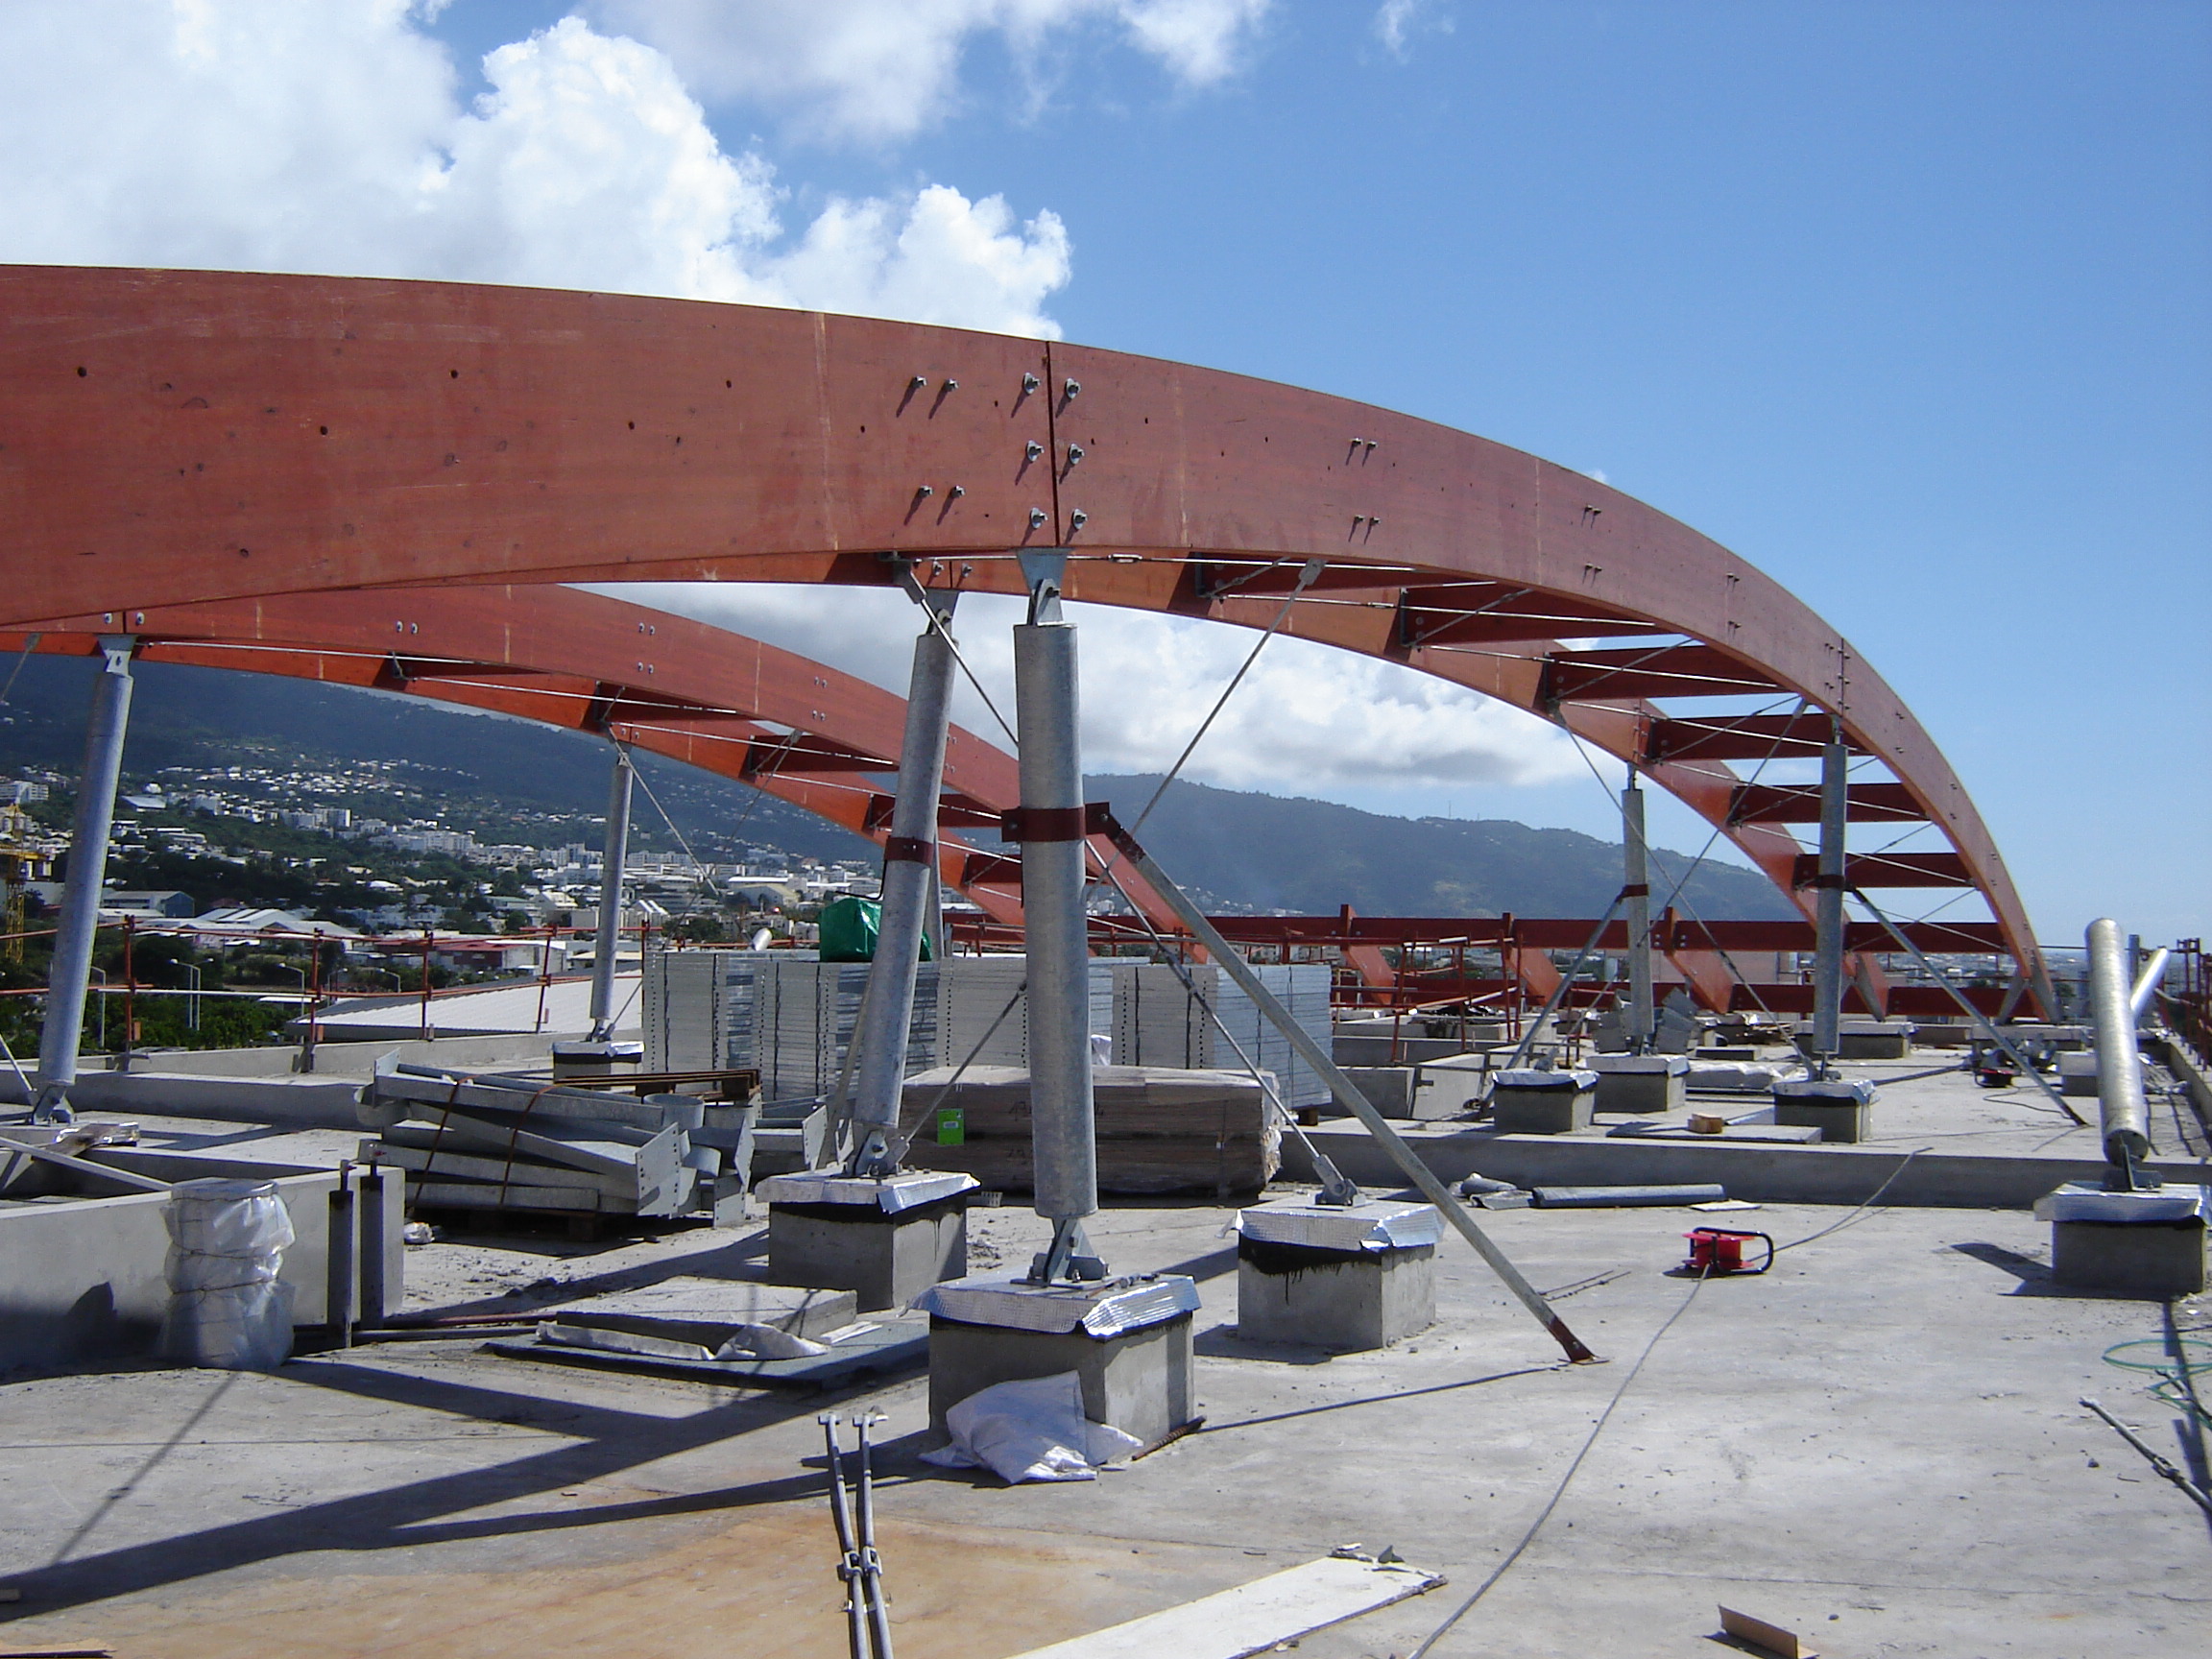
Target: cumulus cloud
x=268, y=134
x=1308, y=718
x=884, y=69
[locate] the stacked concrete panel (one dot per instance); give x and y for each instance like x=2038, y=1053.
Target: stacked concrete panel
x=1157, y=1022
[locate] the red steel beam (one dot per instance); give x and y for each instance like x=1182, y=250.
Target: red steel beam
x=171, y=437
x=710, y=691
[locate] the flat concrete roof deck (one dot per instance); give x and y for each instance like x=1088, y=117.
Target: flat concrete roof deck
x=1975, y=1147
x=1877, y=1444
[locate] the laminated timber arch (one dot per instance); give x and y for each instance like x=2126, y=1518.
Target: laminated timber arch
x=783, y=723
x=168, y=438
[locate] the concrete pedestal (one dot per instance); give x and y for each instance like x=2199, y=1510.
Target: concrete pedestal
x=886, y=1241
x=1128, y=1341
x=1342, y=1278
x=2137, y=1243
x=1543, y=1102
x=1642, y=1085
x=1451, y=1087
x=1863, y=1038
x=1840, y=1111
x=2139, y=1258
x=2078, y=1073
x=1408, y=1092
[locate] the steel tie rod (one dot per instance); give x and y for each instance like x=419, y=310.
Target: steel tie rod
x=1346, y=1092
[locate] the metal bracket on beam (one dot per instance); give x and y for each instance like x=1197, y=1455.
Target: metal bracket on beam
x=1045, y=572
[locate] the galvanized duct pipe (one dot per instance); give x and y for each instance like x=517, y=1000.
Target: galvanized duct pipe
x=611, y=868
x=1641, y=1021
x=2147, y=981
x=70, y=977
x=1828, y=898
x=909, y=859
x=2118, y=1066
x=1058, y=931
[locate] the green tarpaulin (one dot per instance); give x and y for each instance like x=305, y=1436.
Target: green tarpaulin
x=849, y=928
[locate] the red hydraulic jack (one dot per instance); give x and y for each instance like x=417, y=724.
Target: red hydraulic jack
x=1715, y=1251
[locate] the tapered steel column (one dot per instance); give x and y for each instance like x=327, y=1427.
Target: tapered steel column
x=71, y=973
x=909, y=861
x=2126, y=1113
x=1828, y=899
x=1058, y=931
x=610, y=867
x=1636, y=886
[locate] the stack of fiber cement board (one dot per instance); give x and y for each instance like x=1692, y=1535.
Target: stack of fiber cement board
x=983, y=1010
x=1158, y=1022
x=1158, y=1130
x=791, y=1017
x=489, y=1142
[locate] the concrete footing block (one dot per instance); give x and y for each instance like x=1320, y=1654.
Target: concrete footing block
x=1347, y=1300
x=1347, y=1278
x=1642, y=1085
x=1128, y=1341
x=886, y=1241
x=2159, y=1259
x=1842, y=1112
x=1543, y=1102
x=885, y=1260
x=1863, y=1038
x=2139, y=1243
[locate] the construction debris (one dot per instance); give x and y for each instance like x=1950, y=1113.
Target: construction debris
x=494, y=1142
x=691, y=1318
x=1763, y=1637
x=1254, y=1617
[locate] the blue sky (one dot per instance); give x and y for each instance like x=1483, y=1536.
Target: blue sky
x=1911, y=304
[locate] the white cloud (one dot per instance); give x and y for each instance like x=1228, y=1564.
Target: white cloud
x=1396, y=20
x=1307, y=718
x=884, y=69
x=268, y=134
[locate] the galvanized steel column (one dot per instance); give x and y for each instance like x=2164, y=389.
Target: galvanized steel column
x=1058, y=931
x=909, y=861
x=1643, y=1019
x=610, y=867
x=71, y=974
x=1828, y=898
x=2119, y=1063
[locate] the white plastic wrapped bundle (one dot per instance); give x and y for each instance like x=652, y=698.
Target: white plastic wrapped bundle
x=227, y=1308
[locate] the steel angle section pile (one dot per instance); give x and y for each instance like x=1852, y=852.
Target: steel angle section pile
x=503, y=1143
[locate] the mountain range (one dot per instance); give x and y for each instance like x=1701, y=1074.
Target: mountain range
x=1240, y=849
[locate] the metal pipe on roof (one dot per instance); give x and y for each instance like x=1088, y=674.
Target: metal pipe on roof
x=1828, y=897
x=70, y=977
x=1063, y=1136
x=2147, y=982
x=2119, y=1065
x=1348, y=1093
x=1642, y=1018
x=610, y=867
x=909, y=859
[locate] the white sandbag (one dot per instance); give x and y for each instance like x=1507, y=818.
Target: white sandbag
x=245, y=1328
x=220, y=1216
x=227, y=1308
x=1033, y=1429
